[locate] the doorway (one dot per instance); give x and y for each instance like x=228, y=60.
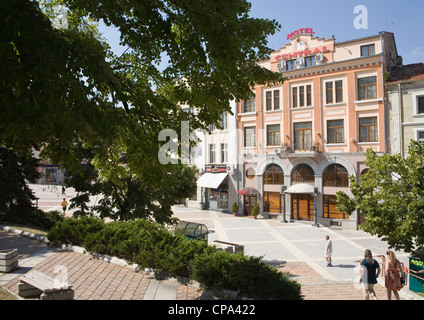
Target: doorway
x=302, y=206
x=249, y=202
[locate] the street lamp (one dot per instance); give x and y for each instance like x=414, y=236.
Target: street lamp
x=283, y=192
x=315, y=194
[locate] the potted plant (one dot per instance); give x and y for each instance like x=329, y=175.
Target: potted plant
x=235, y=209
x=255, y=210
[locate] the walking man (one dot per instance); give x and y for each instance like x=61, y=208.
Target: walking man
x=328, y=251
x=64, y=205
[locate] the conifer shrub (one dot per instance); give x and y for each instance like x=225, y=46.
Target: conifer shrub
x=249, y=275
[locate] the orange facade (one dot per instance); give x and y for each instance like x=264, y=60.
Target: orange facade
x=330, y=109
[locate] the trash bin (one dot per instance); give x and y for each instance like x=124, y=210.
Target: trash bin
x=416, y=280
x=192, y=230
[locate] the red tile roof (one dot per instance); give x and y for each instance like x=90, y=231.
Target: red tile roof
x=408, y=72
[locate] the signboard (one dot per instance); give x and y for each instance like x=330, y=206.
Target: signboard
x=300, y=31
x=216, y=168
x=301, y=53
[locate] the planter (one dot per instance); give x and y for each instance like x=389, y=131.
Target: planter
x=8, y=260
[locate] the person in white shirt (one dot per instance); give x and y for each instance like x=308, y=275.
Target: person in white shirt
x=328, y=251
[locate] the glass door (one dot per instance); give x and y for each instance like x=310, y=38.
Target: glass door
x=302, y=207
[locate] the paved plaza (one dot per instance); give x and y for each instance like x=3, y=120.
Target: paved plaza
x=295, y=248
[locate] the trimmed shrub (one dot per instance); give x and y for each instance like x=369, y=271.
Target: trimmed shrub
x=35, y=218
x=75, y=230
x=248, y=275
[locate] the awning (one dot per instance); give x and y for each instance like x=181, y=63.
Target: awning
x=211, y=180
x=301, y=188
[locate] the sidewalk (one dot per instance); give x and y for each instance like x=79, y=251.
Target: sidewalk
x=294, y=248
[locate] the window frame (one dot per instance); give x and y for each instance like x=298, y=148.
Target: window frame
x=302, y=96
x=303, y=130
x=276, y=135
x=252, y=137
x=334, y=128
x=249, y=105
x=367, y=88
x=368, y=126
x=367, y=47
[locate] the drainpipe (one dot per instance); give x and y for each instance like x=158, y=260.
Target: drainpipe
x=400, y=106
x=384, y=91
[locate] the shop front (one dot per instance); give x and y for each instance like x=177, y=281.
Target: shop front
x=214, y=184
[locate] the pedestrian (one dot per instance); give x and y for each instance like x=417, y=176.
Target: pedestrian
x=394, y=275
x=63, y=191
x=370, y=270
x=64, y=204
x=328, y=251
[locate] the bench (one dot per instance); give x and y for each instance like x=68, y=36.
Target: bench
x=237, y=248
x=36, y=283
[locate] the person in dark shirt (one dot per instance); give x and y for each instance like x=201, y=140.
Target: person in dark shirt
x=370, y=270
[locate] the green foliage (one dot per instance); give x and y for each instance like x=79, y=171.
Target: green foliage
x=75, y=230
x=390, y=196
x=256, y=209
x=248, y=275
x=15, y=196
x=234, y=208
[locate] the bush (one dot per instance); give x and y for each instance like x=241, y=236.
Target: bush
x=248, y=275
x=147, y=244
x=35, y=218
x=75, y=230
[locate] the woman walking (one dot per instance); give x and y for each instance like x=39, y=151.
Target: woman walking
x=369, y=273
x=394, y=273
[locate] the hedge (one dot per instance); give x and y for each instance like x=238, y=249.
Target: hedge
x=153, y=246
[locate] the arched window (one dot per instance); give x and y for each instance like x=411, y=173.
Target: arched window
x=303, y=173
x=274, y=175
x=335, y=175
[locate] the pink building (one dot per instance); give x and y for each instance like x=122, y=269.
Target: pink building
x=307, y=135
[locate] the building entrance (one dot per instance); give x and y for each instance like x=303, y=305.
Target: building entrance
x=302, y=207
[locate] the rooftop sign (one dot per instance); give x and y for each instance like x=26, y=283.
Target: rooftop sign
x=300, y=31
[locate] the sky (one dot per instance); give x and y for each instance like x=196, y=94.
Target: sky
x=336, y=17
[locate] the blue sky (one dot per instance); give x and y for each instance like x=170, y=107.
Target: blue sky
x=335, y=17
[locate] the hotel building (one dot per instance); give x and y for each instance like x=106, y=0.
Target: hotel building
x=299, y=141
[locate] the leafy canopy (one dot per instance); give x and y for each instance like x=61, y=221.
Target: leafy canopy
x=390, y=196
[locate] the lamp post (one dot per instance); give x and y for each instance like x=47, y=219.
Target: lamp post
x=283, y=192
x=315, y=194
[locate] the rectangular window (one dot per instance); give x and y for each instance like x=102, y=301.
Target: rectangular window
x=367, y=51
x=250, y=137
x=301, y=96
x=420, y=103
x=212, y=158
x=269, y=100
x=273, y=135
x=367, y=88
x=276, y=99
x=309, y=95
x=294, y=97
x=250, y=105
x=339, y=91
x=420, y=137
x=368, y=129
x=310, y=61
x=329, y=92
x=303, y=136
x=224, y=121
x=272, y=202
x=291, y=65
x=224, y=153
x=335, y=130
x=330, y=210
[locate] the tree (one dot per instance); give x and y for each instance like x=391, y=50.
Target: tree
x=390, y=196
x=63, y=86
x=15, y=196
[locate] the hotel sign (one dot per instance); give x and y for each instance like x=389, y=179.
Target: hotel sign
x=301, y=53
x=300, y=31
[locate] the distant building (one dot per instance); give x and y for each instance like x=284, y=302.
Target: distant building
x=405, y=102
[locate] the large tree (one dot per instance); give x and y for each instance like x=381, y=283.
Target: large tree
x=390, y=196
x=63, y=86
